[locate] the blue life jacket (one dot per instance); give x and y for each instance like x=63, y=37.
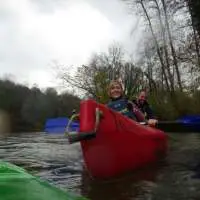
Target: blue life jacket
x=121, y=105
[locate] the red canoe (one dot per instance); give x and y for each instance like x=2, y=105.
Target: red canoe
x=120, y=144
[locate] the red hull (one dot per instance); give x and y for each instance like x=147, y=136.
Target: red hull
x=120, y=144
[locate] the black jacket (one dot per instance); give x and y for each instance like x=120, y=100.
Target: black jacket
x=145, y=109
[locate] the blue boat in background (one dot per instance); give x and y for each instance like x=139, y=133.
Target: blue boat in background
x=58, y=125
x=191, y=121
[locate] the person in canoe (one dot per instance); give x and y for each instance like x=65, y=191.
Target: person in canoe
x=118, y=101
x=142, y=103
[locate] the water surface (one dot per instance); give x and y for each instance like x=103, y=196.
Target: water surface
x=52, y=158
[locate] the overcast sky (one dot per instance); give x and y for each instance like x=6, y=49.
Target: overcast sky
x=33, y=33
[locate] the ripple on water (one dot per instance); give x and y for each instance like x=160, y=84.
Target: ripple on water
x=51, y=158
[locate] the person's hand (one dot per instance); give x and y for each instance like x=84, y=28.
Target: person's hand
x=152, y=122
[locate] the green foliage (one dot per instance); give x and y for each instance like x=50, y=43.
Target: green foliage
x=29, y=108
x=171, y=107
x=101, y=83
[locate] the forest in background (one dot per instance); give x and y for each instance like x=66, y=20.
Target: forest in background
x=26, y=109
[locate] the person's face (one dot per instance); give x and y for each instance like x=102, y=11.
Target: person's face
x=115, y=91
x=142, y=97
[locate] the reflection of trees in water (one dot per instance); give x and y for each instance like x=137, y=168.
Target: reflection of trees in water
x=136, y=184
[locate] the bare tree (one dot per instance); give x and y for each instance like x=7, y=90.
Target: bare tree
x=168, y=31
x=165, y=46
x=156, y=44
x=172, y=46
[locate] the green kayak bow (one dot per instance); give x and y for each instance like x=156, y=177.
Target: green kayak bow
x=17, y=184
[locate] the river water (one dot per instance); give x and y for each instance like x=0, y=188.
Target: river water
x=53, y=159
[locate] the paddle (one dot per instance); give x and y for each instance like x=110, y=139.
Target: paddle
x=175, y=126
